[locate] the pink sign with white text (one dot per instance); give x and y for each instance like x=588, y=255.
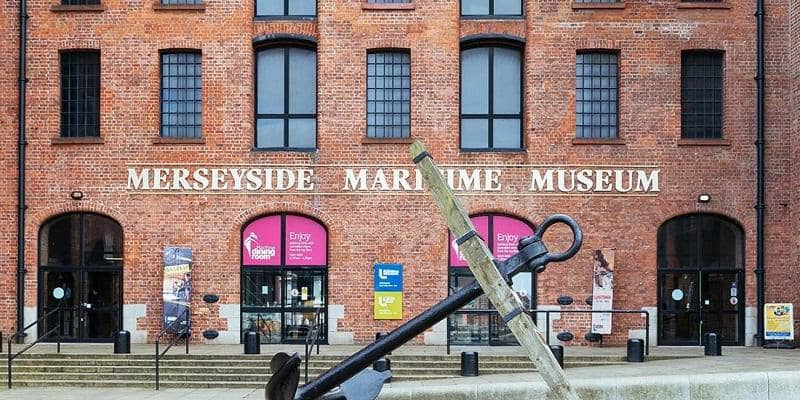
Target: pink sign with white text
x=306, y=242
x=507, y=234
x=482, y=226
x=261, y=242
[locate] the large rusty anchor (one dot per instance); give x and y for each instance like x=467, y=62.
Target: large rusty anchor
x=351, y=380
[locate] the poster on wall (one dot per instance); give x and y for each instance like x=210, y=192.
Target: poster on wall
x=388, y=287
x=779, y=321
x=261, y=242
x=177, y=289
x=602, y=289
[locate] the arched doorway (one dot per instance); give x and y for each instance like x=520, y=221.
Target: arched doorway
x=700, y=280
x=284, y=277
x=478, y=323
x=81, y=255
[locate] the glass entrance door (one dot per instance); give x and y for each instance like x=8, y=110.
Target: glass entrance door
x=693, y=303
x=90, y=306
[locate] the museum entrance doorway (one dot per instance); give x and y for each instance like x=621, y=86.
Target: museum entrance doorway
x=80, y=273
x=700, y=280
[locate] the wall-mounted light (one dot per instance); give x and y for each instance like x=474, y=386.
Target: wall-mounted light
x=703, y=198
x=76, y=195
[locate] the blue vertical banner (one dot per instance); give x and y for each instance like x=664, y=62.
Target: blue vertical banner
x=388, y=279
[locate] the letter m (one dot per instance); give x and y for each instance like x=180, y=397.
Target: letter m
x=140, y=181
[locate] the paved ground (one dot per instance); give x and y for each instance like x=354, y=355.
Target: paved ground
x=741, y=373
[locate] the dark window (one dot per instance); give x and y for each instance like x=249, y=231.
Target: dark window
x=491, y=100
x=388, y=94
x=80, y=94
x=279, y=8
x=596, y=97
x=79, y=2
x=286, y=98
x=491, y=7
x=181, y=94
x=701, y=95
x=704, y=241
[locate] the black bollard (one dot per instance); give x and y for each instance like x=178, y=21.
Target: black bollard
x=469, y=363
x=635, y=350
x=558, y=353
x=383, y=364
x=122, y=342
x=252, y=343
x=713, y=345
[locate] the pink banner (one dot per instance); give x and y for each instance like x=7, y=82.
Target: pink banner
x=306, y=242
x=261, y=242
x=507, y=234
x=482, y=226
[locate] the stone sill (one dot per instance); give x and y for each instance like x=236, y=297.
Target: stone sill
x=387, y=6
x=705, y=5
x=370, y=140
x=598, y=141
x=179, y=7
x=598, y=6
x=170, y=140
x=78, y=8
x=76, y=140
x=704, y=142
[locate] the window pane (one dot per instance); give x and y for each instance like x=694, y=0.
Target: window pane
x=80, y=94
x=596, y=77
x=506, y=134
x=181, y=94
x=60, y=241
x=474, y=7
x=303, y=7
x=475, y=81
x=270, y=85
x=506, y=81
x=388, y=94
x=302, y=81
x=303, y=133
x=507, y=7
x=701, y=94
x=269, y=133
x=269, y=7
x=474, y=133
x=102, y=241
x=261, y=288
x=267, y=324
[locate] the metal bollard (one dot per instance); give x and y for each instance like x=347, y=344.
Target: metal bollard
x=383, y=364
x=558, y=353
x=252, y=343
x=635, y=350
x=469, y=363
x=122, y=342
x=713, y=346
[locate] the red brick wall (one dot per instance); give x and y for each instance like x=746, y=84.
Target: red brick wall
x=364, y=229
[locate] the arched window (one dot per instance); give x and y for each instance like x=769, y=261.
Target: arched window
x=478, y=322
x=80, y=270
x=284, y=277
x=700, y=280
x=286, y=97
x=491, y=95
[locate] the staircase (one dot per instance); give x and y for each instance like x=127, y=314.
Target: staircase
x=237, y=370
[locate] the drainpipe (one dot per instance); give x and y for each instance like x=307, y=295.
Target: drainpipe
x=760, y=143
x=23, y=83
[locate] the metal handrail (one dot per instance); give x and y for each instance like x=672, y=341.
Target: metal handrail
x=313, y=339
x=35, y=342
x=184, y=333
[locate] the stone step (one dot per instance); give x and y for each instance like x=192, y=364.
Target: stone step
x=322, y=357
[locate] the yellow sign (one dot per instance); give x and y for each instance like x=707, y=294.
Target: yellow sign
x=779, y=324
x=388, y=305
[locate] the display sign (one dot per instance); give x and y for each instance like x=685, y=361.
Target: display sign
x=481, y=224
x=261, y=242
x=177, y=289
x=603, y=290
x=505, y=235
x=306, y=242
x=388, y=286
x=779, y=321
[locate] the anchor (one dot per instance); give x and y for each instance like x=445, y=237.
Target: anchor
x=350, y=380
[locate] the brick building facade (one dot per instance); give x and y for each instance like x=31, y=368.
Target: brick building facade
x=643, y=45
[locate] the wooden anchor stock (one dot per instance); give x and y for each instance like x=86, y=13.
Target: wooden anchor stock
x=493, y=277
